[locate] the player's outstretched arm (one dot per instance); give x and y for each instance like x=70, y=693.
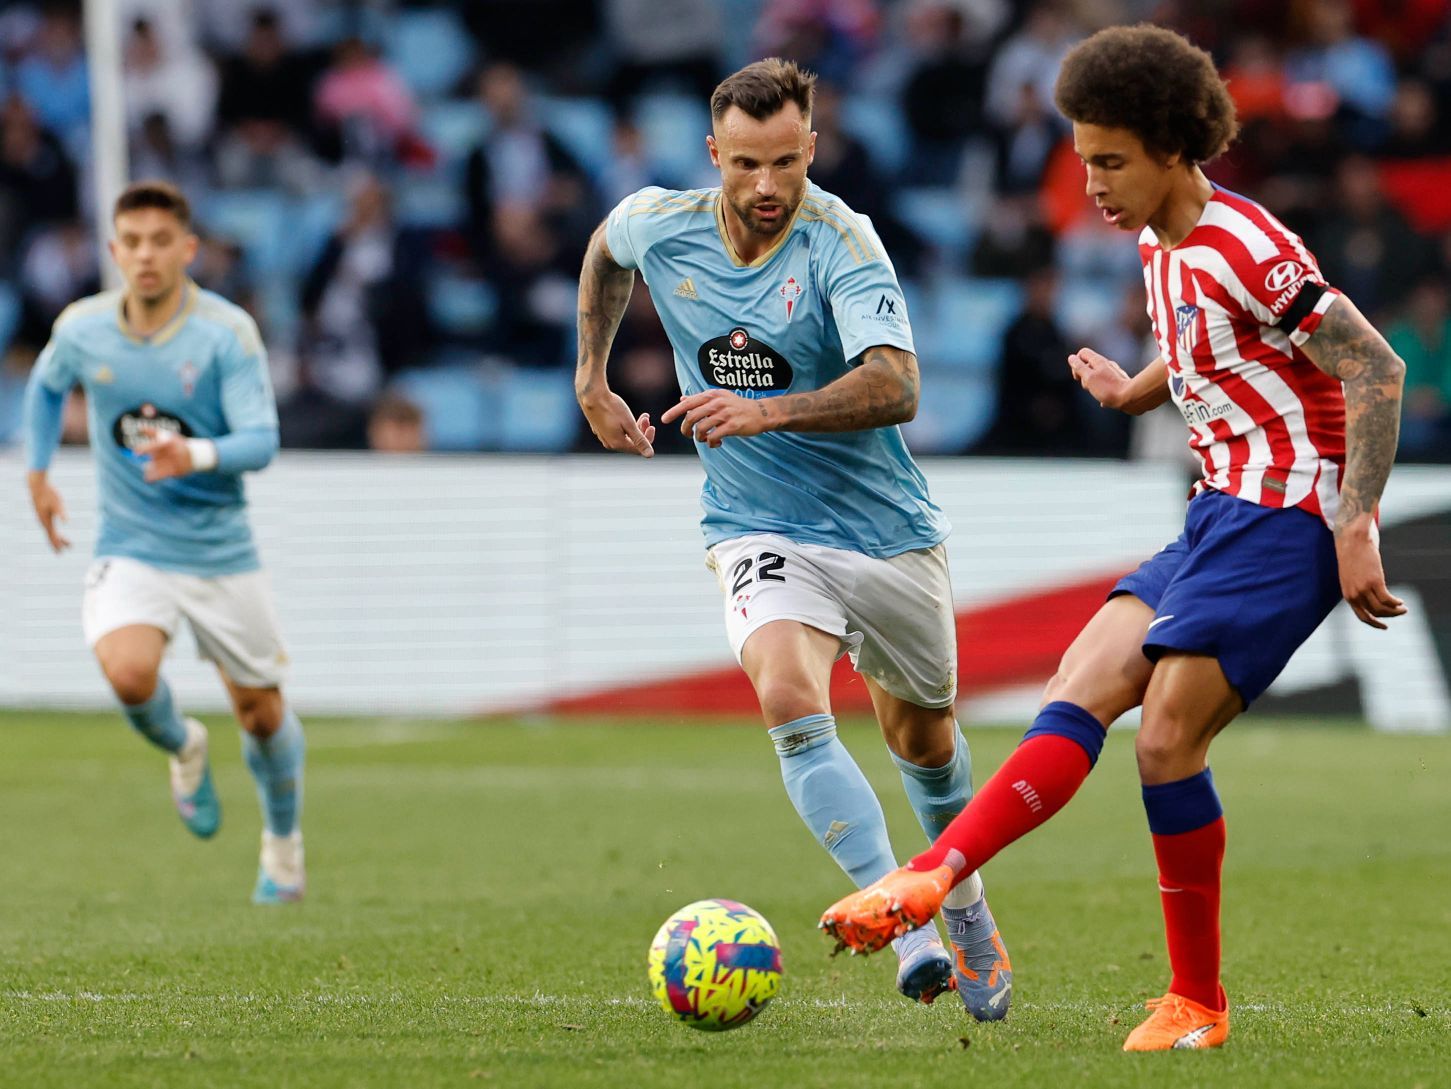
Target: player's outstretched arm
x=604, y=292
x=42, y=412
x=1347, y=347
x=879, y=392
x=1110, y=385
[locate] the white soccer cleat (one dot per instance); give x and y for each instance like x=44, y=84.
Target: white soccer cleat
x=191, y=783
x=281, y=877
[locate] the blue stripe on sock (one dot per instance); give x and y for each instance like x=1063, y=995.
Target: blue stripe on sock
x=1064, y=719
x=1182, y=806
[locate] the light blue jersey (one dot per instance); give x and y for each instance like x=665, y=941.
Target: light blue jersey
x=794, y=320
x=202, y=375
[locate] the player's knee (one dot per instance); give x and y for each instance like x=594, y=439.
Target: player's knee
x=261, y=716
x=786, y=698
x=133, y=682
x=1163, y=746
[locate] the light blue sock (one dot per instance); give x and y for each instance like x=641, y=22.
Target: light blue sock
x=276, y=765
x=833, y=797
x=939, y=794
x=157, y=719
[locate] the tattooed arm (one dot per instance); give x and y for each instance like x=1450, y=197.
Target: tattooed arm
x=604, y=292
x=1347, y=347
x=880, y=391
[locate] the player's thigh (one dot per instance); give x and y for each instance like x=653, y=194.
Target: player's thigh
x=902, y=607
x=130, y=657
x=128, y=614
x=1189, y=700
x=1104, y=670
x=784, y=620
x=235, y=624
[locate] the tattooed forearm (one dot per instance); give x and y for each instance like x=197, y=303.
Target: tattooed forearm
x=604, y=292
x=881, y=391
x=1347, y=347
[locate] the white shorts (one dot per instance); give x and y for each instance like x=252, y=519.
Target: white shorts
x=893, y=616
x=230, y=615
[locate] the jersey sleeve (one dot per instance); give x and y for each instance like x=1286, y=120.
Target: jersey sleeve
x=627, y=228
x=247, y=400
x=861, y=285
x=57, y=368
x=1281, y=285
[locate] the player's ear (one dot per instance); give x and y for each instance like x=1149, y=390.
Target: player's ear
x=714, y=150
x=810, y=149
x=192, y=242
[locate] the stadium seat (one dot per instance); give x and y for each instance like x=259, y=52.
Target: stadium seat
x=1084, y=306
x=537, y=410
x=459, y=412
x=877, y=122
x=311, y=223
x=453, y=129
x=431, y=48
x=966, y=321
x=9, y=314
x=461, y=306
x=258, y=221
x=954, y=412
x=945, y=219
x=429, y=202
x=583, y=126
x=675, y=127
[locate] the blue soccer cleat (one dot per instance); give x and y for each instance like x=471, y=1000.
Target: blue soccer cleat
x=191, y=784
x=984, y=974
x=281, y=878
x=925, y=968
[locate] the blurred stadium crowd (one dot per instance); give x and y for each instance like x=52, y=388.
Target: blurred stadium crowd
x=401, y=192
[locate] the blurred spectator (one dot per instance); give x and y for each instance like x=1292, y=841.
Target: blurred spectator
x=362, y=303
x=537, y=286
x=37, y=180
x=1338, y=71
x=395, y=426
x=172, y=79
x=1416, y=130
x=1014, y=242
x=1038, y=399
x=59, y=267
x=1367, y=249
x=219, y=267
x=52, y=78
x=942, y=100
x=661, y=43
x=227, y=25
x=549, y=37
x=154, y=154
x=1023, y=145
x=262, y=153
x=830, y=37
x=367, y=108
x=843, y=168
x=1256, y=77
x=522, y=164
x=267, y=81
x=629, y=168
x=1423, y=339
x=1030, y=58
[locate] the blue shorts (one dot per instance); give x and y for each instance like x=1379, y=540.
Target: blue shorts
x=1245, y=584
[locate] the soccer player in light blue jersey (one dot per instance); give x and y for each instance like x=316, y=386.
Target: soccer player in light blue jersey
x=179, y=404
x=796, y=364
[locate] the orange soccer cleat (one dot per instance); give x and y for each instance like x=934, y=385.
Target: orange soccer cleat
x=1179, y=1022
x=870, y=918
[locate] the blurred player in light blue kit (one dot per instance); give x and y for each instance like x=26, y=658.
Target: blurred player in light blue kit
x=179, y=405
x=796, y=362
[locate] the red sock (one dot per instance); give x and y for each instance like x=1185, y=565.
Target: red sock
x=1189, y=869
x=1034, y=783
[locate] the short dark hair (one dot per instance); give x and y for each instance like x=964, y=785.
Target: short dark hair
x=154, y=194
x=1153, y=82
x=762, y=89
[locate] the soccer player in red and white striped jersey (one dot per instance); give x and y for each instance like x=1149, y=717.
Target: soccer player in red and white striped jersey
x=1292, y=401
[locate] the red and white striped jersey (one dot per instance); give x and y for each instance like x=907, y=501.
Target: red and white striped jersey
x=1231, y=305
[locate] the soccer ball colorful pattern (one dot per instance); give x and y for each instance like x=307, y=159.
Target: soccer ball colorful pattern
x=715, y=964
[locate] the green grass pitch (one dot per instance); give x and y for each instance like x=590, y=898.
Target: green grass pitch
x=482, y=896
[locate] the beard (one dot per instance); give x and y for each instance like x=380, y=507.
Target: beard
x=746, y=213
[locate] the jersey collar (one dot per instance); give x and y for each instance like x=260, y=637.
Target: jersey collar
x=174, y=323
x=730, y=249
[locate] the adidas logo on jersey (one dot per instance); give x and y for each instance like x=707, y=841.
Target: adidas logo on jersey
x=686, y=290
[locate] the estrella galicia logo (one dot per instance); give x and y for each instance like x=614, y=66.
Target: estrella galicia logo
x=131, y=426
x=740, y=362
x=1187, y=319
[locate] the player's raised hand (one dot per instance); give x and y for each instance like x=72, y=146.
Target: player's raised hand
x=617, y=427
x=1106, y=382
x=715, y=414
x=49, y=509
x=167, y=455
x=1362, y=579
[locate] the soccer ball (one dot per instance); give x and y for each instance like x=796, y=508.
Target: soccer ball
x=715, y=964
